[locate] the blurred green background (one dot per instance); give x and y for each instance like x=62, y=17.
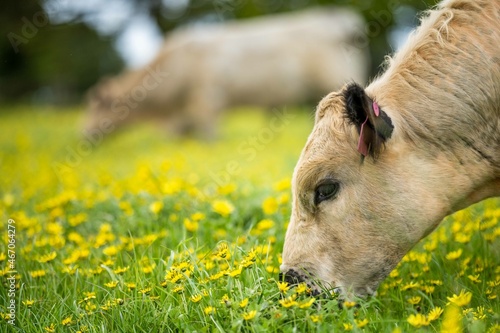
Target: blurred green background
x=52, y=51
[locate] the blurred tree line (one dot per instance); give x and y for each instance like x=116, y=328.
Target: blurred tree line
x=43, y=61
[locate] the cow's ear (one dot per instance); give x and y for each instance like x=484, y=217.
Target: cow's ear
x=373, y=124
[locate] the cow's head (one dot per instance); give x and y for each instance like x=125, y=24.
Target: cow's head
x=107, y=109
x=354, y=218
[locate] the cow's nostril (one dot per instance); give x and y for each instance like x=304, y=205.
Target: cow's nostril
x=292, y=277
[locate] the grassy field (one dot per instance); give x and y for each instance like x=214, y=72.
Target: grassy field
x=143, y=233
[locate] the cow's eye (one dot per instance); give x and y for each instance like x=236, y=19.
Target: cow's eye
x=325, y=191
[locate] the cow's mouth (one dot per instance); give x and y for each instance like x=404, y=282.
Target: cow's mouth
x=322, y=289
x=294, y=278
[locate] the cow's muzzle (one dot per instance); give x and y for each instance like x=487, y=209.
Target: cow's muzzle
x=294, y=278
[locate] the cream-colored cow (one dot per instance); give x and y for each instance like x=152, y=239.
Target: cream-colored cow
x=430, y=130
x=273, y=61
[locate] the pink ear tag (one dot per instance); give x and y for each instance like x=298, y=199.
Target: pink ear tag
x=376, y=109
x=362, y=147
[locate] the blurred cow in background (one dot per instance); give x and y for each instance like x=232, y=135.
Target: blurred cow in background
x=200, y=71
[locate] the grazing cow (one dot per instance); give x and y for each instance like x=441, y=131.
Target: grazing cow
x=384, y=165
x=269, y=62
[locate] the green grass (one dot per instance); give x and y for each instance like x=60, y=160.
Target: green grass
x=145, y=233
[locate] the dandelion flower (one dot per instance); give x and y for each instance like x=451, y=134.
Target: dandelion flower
x=270, y=206
x=50, y=329
x=37, y=274
x=479, y=314
x=316, y=318
x=347, y=326
x=190, y=226
x=435, y=313
x=209, y=310
x=361, y=323
x=474, y=278
x=222, y=207
x=418, y=320
x=196, y=298
x=223, y=251
x=414, y=300
x=283, y=287
x=28, y=303
x=249, y=315
x=111, y=284
x=156, y=207
x=301, y=288
x=48, y=257
x=453, y=255
x=67, y=321
x=225, y=300
x=452, y=321
x=244, y=303
x=178, y=289
x=235, y=272
x=307, y=304
x=461, y=299
x=265, y=224
x=288, y=302
x=348, y=304
x=110, y=251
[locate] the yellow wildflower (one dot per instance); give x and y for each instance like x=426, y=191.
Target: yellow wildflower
x=209, y=310
x=270, y=206
x=131, y=285
x=347, y=326
x=435, y=313
x=301, y=288
x=198, y=216
x=110, y=251
x=361, y=323
x=283, y=287
x=28, y=303
x=50, y=329
x=48, y=257
x=37, y=273
x=288, y=302
x=67, y=321
x=196, y=298
x=461, y=299
x=121, y=270
x=264, y=224
x=235, y=272
x=225, y=300
x=418, y=320
x=178, y=289
x=316, y=318
x=474, y=278
x=244, y=303
x=282, y=185
x=454, y=254
x=414, y=300
x=307, y=304
x=452, y=321
x=479, y=313
x=349, y=304
x=249, y=315
x=190, y=226
x=111, y=284
x=156, y=207
x=222, y=207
